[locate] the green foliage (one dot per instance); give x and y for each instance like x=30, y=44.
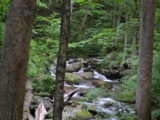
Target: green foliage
x=119, y=116
x=101, y=41
x=44, y=83
x=41, y=4
x=1, y=33
x=156, y=75
x=156, y=114
x=127, y=91
x=94, y=94
x=127, y=116
x=3, y=8
x=3, y=12
x=43, y=50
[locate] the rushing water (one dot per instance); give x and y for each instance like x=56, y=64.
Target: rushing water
x=100, y=76
x=84, y=86
x=104, y=105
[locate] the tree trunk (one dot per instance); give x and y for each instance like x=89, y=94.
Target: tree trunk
x=27, y=101
x=61, y=62
x=15, y=58
x=143, y=97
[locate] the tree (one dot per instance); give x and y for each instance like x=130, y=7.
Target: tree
x=14, y=59
x=61, y=62
x=143, y=97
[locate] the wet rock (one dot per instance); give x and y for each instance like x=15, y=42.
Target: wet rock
x=82, y=60
x=82, y=94
x=38, y=99
x=105, y=101
x=84, y=115
x=108, y=104
x=93, y=111
x=71, y=60
x=69, y=88
x=74, y=67
x=72, y=78
x=111, y=73
x=70, y=112
x=86, y=75
x=94, y=63
x=88, y=69
x=99, y=83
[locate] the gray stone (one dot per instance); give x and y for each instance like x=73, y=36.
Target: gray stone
x=86, y=75
x=74, y=67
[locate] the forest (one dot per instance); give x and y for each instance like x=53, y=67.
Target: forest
x=80, y=60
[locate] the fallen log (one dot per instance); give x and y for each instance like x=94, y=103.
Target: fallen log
x=67, y=97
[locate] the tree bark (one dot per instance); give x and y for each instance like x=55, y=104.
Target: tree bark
x=27, y=101
x=61, y=62
x=143, y=97
x=15, y=58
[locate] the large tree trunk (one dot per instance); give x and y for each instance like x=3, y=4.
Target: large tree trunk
x=61, y=63
x=15, y=58
x=143, y=98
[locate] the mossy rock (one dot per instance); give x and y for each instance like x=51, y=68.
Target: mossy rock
x=84, y=115
x=72, y=78
x=99, y=83
x=93, y=111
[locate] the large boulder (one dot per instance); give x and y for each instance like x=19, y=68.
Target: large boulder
x=99, y=83
x=72, y=78
x=86, y=75
x=82, y=60
x=112, y=74
x=74, y=67
x=84, y=115
x=94, y=63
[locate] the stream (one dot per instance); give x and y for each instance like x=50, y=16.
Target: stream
x=90, y=80
x=105, y=105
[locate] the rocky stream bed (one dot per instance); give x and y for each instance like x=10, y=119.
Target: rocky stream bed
x=83, y=76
